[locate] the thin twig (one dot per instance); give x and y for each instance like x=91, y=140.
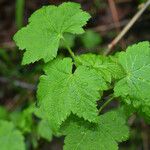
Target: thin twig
x=145, y=135
x=10, y=45
x=104, y=28
x=105, y=104
x=131, y=120
x=115, y=17
x=18, y=83
x=69, y=49
x=127, y=27
x=122, y=1
x=114, y=14
x=19, y=13
x=111, y=26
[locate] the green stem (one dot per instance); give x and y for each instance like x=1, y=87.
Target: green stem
x=105, y=104
x=19, y=12
x=69, y=49
x=71, y=52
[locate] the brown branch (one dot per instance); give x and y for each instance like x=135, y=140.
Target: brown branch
x=145, y=135
x=127, y=27
x=114, y=14
x=104, y=28
x=18, y=83
x=9, y=45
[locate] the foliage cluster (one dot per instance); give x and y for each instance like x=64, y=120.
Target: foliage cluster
x=71, y=91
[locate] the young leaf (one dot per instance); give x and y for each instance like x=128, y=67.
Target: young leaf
x=134, y=87
x=81, y=135
x=90, y=39
x=23, y=119
x=44, y=130
x=61, y=92
x=41, y=37
x=108, y=68
x=10, y=138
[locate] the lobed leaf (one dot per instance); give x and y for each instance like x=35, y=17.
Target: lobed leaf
x=61, y=92
x=109, y=131
x=10, y=138
x=134, y=87
x=41, y=37
x=107, y=67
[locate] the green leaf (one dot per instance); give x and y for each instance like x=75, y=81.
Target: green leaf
x=41, y=37
x=105, y=135
x=23, y=119
x=107, y=67
x=134, y=87
x=44, y=130
x=10, y=138
x=44, y=127
x=90, y=39
x=61, y=92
